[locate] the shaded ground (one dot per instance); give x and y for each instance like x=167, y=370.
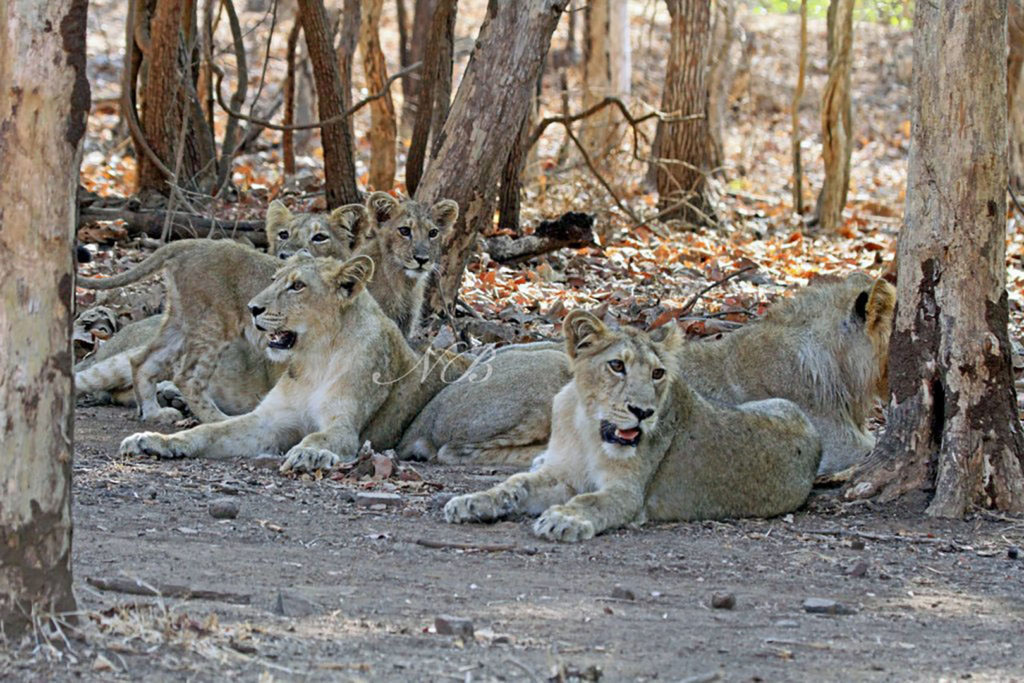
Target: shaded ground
x=945, y=601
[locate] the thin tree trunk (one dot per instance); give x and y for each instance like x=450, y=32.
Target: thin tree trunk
x=720, y=73
x=952, y=421
x=606, y=70
x=836, y=116
x=44, y=103
x=419, y=38
x=473, y=146
x=288, y=136
x=798, y=96
x=351, y=21
x=684, y=148
x=383, y=129
x=1014, y=73
x=402, y=17
x=435, y=90
x=339, y=168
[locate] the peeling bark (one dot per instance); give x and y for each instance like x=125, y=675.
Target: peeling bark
x=43, y=109
x=953, y=424
x=836, y=116
x=476, y=139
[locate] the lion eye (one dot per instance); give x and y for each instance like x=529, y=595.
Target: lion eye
x=283, y=235
x=298, y=286
x=319, y=237
x=405, y=231
x=658, y=373
x=433, y=233
x=617, y=366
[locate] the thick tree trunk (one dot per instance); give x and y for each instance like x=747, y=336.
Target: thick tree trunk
x=953, y=422
x=606, y=70
x=419, y=37
x=836, y=116
x=684, y=147
x=339, y=169
x=508, y=201
x=435, y=90
x=383, y=129
x=44, y=101
x=170, y=103
x=475, y=141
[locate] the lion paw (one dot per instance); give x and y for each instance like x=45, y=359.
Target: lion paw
x=157, y=445
x=556, y=524
x=472, y=507
x=164, y=416
x=309, y=459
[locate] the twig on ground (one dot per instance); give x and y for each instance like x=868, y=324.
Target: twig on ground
x=166, y=590
x=475, y=547
x=872, y=536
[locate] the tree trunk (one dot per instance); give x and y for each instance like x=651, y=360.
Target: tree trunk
x=339, y=169
x=435, y=90
x=419, y=37
x=351, y=21
x=720, y=73
x=952, y=422
x=474, y=144
x=684, y=146
x=170, y=103
x=836, y=121
x=1014, y=73
x=508, y=201
x=383, y=129
x=44, y=102
x=606, y=70
x=798, y=95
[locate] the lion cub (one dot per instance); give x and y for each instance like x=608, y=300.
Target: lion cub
x=631, y=441
x=208, y=284
x=406, y=248
x=350, y=375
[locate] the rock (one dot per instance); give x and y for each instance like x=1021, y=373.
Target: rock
x=1013, y=552
x=620, y=593
x=266, y=461
x=826, y=606
x=150, y=493
x=370, y=498
x=288, y=604
x=454, y=626
x=856, y=544
x=723, y=600
x=224, y=508
x=858, y=569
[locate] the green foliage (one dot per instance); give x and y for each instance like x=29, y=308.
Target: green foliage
x=894, y=12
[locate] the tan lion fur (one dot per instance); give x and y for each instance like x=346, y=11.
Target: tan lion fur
x=694, y=459
x=825, y=348
x=350, y=375
x=208, y=284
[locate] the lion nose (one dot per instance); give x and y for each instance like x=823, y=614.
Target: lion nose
x=256, y=310
x=283, y=255
x=421, y=259
x=641, y=413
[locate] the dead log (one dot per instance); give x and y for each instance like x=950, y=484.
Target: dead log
x=572, y=230
x=183, y=225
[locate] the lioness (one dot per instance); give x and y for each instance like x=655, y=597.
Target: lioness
x=825, y=348
x=406, y=248
x=208, y=284
x=631, y=441
x=350, y=374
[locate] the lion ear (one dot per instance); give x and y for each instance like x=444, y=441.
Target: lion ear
x=278, y=216
x=382, y=206
x=352, y=219
x=581, y=329
x=349, y=278
x=445, y=213
x=879, y=305
x=672, y=341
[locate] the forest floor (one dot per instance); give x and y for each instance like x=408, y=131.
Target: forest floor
x=314, y=584
x=322, y=587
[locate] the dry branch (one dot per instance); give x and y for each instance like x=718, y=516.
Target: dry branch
x=478, y=547
x=573, y=230
x=165, y=590
x=182, y=225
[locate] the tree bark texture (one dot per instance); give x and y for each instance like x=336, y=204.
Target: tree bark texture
x=383, y=129
x=606, y=70
x=1015, y=108
x=474, y=144
x=170, y=103
x=435, y=90
x=351, y=21
x=684, y=149
x=836, y=116
x=44, y=102
x=509, y=200
x=339, y=169
x=798, y=96
x=419, y=37
x=720, y=73
x=952, y=421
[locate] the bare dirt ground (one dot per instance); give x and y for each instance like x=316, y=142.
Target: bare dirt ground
x=337, y=591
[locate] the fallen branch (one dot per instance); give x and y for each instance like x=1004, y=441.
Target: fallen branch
x=165, y=590
x=182, y=225
x=484, y=548
x=872, y=536
x=573, y=230
x=688, y=306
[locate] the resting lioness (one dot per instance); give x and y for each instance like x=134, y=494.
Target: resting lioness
x=208, y=284
x=350, y=374
x=631, y=441
x=825, y=348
